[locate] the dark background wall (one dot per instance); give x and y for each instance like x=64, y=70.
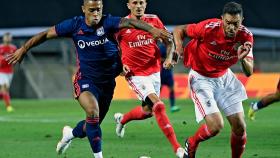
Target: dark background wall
x=20, y=13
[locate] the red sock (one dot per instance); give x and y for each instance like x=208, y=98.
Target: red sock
x=135, y=114
x=238, y=144
x=164, y=124
x=202, y=134
x=7, y=99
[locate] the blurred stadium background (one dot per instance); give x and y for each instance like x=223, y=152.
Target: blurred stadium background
x=46, y=74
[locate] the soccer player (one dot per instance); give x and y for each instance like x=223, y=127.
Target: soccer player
x=141, y=63
x=98, y=64
x=6, y=70
x=167, y=79
x=217, y=44
x=264, y=102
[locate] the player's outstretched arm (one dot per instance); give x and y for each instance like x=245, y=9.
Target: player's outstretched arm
x=247, y=64
x=170, y=49
x=34, y=41
x=179, y=35
x=139, y=24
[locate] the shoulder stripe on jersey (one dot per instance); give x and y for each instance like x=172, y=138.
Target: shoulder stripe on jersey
x=213, y=24
x=151, y=16
x=244, y=29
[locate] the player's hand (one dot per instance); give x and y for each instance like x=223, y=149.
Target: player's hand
x=125, y=71
x=16, y=57
x=179, y=50
x=168, y=63
x=161, y=34
x=244, y=50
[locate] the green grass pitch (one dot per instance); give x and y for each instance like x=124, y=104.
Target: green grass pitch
x=34, y=129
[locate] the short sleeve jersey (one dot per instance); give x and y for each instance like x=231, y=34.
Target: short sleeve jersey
x=4, y=51
x=139, y=49
x=97, y=50
x=210, y=52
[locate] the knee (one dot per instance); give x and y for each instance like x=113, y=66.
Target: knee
x=158, y=107
x=92, y=112
x=239, y=128
x=216, y=127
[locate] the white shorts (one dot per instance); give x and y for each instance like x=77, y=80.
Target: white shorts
x=6, y=79
x=145, y=85
x=210, y=95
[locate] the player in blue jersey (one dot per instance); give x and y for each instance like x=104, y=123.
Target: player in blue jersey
x=167, y=79
x=98, y=64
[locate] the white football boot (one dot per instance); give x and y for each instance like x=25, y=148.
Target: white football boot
x=120, y=129
x=65, y=141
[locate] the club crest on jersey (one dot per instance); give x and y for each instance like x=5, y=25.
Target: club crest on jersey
x=100, y=31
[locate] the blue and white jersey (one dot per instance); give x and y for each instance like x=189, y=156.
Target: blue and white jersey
x=97, y=50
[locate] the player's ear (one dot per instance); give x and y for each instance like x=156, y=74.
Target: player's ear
x=127, y=4
x=83, y=8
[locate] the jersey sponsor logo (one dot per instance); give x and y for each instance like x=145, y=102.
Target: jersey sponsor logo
x=141, y=41
x=100, y=31
x=224, y=55
x=82, y=44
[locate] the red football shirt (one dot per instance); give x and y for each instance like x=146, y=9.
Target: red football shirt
x=210, y=52
x=4, y=51
x=139, y=49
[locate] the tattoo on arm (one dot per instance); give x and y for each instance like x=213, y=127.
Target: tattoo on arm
x=132, y=23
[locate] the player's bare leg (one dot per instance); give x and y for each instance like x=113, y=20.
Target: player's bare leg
x=93, y=131
x=6, y=97
x=238, y=134
x=264, y=102
x=214, y=124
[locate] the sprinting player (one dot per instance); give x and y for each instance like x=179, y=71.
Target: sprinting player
x=217, y=44
x=167, y=79
x=264, y=102
x=141, y=63
x=6, y=70
x=98, y=64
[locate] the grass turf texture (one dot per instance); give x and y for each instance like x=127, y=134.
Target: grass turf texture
x=34, y=129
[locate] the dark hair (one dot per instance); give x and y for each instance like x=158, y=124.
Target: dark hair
x=233, y=8
x=85, y=1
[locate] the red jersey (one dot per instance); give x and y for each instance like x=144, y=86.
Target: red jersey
x=139, y=49
x=210, y=52
x=4, y=51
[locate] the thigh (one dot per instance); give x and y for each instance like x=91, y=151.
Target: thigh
x=144, y=85
x=232, y=93
x=202, y=95
x=105, y=102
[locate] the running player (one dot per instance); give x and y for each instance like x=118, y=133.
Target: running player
x=216, y=45
x=141, y=59
x=264, y=102
x=98, y=64
x=6, y=70
x=167, y=79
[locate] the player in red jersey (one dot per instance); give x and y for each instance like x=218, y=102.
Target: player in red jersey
x=6, y=70
x=264, y=102
x=141, y=63
x=217, y=44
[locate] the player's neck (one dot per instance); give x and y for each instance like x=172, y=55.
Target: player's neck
x=135, y=17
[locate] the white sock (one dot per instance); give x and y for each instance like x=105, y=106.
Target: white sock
x=67, y=137
x=255, y=107
x=98, y=155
